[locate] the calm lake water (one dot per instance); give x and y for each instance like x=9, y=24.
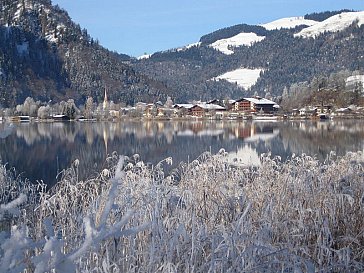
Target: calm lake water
x=39, y=151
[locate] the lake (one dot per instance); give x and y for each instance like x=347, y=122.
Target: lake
x=39, y=151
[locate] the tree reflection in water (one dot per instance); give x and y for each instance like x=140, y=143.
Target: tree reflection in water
x=41, y=150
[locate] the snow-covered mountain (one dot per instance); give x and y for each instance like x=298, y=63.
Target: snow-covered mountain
x=333, y=24
x=313, y=28
x=229, y=62
x=40, y=16
x=47, y=56
x=290, y=22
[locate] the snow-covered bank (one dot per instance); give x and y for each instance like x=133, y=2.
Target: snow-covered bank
x=208, y=215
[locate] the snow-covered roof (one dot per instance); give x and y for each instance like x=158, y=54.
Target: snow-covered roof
x=290, y=22
x=308, y=109
x=333, y=24
x=258, y=101
x=210, y=106
x=59, y=116
x=241, y=39
x=184, y=105
x=243, y=77
x=344, y=109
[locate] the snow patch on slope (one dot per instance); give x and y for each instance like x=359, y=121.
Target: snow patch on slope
x=290, y=22
x=241, y=39
x=333, y=24
x=187, y=46
x=143, y=57
x=243, y=77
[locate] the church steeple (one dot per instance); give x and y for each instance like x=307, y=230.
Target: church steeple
x=106, y=103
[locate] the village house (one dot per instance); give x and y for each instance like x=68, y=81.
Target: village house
x=255, y=105
x=184, y=108
x=324, y=109
x=202, y=109
x=308, y=111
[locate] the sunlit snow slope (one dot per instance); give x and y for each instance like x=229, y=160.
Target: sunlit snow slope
x=333, y=24
x=290, y=22
x=243, y=77
x=246, y=39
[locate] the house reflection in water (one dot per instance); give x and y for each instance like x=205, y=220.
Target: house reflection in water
x=255, y=131
x=54, y=146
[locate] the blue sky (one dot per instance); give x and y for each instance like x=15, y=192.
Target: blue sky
x=135, y=27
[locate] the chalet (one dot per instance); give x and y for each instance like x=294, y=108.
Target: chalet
x=308, y=111
x=202, y=109
x=164, y=112
x=183, y=109
x=254, y=105
x=324, y=109
x=229, y=104
x=186, y=106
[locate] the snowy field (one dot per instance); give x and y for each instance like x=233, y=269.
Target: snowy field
x=333, y=24
x=206, y=216
x=290, y=22
x=243, y=77
x=247, y=39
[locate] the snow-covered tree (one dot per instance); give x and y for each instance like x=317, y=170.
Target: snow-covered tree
x=89, y=107
x=44, y=112
x=69, y=109
x=169, y=102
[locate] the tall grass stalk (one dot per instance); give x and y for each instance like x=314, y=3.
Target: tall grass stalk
x=205, y=216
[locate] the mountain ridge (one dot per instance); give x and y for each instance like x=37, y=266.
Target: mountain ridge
x=286, y=59
x=45, y=55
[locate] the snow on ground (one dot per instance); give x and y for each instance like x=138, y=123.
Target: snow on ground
x=241, y=39
x=145, y=56
x=243, y=77
x=187, y=46
x=290, y=22
x=333, y=24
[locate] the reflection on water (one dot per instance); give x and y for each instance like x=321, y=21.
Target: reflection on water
x=41, y=150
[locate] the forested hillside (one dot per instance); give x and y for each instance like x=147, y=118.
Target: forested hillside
x=43, y=54
x=293, y=67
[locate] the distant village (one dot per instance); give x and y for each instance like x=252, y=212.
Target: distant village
x=252, y=108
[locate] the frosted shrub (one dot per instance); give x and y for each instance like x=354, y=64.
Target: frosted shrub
x=208, y=215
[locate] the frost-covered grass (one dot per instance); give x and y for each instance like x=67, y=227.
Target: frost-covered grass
x=207, y=216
